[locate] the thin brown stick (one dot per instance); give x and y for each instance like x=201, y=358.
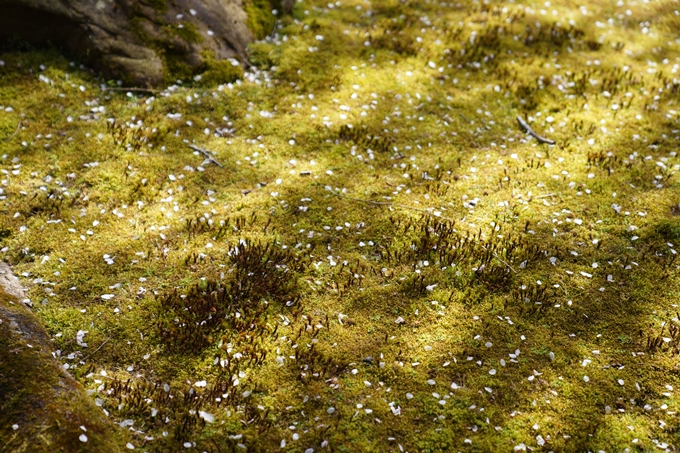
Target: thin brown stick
x=500, y=259
x=15, y=133
x=138, y=89
x=206, y=153
x=424, y=211
x=276, y=24
x=97, y=350
x=524, y=125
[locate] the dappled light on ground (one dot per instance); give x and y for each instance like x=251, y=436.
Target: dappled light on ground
x=368, y=252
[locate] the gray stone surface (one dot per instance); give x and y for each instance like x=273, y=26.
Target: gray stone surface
x=130, y=38
x=9, y=283
x=20, y=321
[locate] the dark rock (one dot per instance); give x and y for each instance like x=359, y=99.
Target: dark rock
x=142, y=41
x=42, y=408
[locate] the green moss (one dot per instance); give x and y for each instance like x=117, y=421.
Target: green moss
x=8, y=125
x=175, y=67
x=260, y=18
x=669, y=230
x=263, y=56
x=187, y=32
x=558, y=255
x=215, y=72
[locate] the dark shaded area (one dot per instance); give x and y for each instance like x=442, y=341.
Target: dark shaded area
x=21, y=23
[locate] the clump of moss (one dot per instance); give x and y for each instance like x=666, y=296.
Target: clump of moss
x=174, y=67
x=7, y=126
x=260, y=18
x=263, y=56
x=187, y=31
x=215, y=71
x=668, y=230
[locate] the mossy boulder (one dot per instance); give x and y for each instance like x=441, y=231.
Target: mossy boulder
x=143, y=42
x=42, y=408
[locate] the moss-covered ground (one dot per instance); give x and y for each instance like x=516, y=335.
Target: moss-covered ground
x=384, y=260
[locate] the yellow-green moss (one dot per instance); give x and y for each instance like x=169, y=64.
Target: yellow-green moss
x=187, y=31
x=563, y=252
x=215, y=72
x=8, y=125
x=260, y=18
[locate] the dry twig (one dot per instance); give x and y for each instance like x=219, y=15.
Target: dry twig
x=133, y=89
x=97, y=350
x=15, y=133
x=206, y=153
x=524, y=125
